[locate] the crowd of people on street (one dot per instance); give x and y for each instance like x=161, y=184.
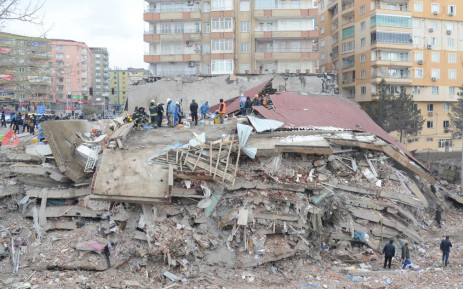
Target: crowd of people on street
x=21, y=123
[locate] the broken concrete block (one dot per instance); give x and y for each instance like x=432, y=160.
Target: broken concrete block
x=59, y=177
x=23, y=158
x=319, y=163
x=369, y=175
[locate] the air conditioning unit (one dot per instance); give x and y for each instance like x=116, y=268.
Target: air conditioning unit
x=435, y=12
x=190, y=2
x=449, y=32
x=431, y=29
x=331, y=54
x=191, y=64
x=189, y=43
x=430, y=113
x=429, y=46
x=420, y=62
x=434, y=78
x=235, y=57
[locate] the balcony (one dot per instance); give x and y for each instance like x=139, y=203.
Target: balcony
x=391, y=75
x=347, y=6
x=285, y=10
x=264, y=32
x=287, y=54
x=172, y=13
x=397, y=7
x=168, y=36
x=172, y=58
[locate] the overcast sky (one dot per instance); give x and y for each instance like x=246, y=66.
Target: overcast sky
x=115, y=24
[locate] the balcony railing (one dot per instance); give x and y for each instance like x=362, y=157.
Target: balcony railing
x=393, y=7
x=289, y=5
x=276, y=29
x=290, y=50
x=346, y=6
x=173, y=9
x=167, y=32
x=395, y=75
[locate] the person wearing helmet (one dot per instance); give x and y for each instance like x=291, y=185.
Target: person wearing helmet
x=153, y=113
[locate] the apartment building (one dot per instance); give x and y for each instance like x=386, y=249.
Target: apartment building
x=25, y=74
x=72, y=78
x=411, y=44
x=100, y=77
x=119, y=81
x=227, y=36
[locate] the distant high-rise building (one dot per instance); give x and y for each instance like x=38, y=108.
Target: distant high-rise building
x=119, y=81
x=25, y=72
x=72, y=76
x=227, y=36
x=414, y=45
x=100, y=80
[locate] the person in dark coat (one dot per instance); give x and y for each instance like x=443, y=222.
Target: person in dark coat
x=194, y=111
x=405, y=256
x=160, y=113
x=3, y=119
x=389, y=252
x=438, y=217
x=445, y=246
x=248, y=105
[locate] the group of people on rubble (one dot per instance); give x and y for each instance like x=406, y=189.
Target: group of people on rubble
x=247, y=104
x=20, y=123
x=389, y=248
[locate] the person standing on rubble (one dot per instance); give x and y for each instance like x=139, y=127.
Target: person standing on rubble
x=405, y=255
x=242, y=104
x=438, y=217
x=445, y=246
x=248, y=105
x=222, y=110
x=12, y=119
x=153, y=113
x=170, y=112
x=194, y=112
x=204, y=110
x=389, y=252
x=176, y=113
x=3, y=119
x=160, y=113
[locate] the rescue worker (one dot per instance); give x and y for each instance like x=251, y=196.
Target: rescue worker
x=176, y=113
x=222, y=110
x=194, y=112
x=242, y=104
x=160, y=113
x=153, y=113
x=3, y=120
x=170, y=112
x=389, y=252
x=256, y=101
x=26, y=123
x=248, y=106
x=18, y=122
x=12, y=120
x=31, y=125
x=204, y=110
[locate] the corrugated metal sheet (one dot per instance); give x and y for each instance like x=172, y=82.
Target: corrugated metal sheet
x=244, y=131
x=324, y=111
x=261, y=125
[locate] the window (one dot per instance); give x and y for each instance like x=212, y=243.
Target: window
x=418, y=55
x=430, y=107
x=429, y=124
x=446, y=106
x=452, y=10
x=417, y=40
x=363, y=42
x=445, y=143
x=244, y=26
x=244, y=6
x=322, y=18
x=418, y=72
x=435, y=57
x=206, y=48
x=207, y=28
x=245, y=47
x=222, y=24
x=322, y=4
x=452, y=74
x=322, y=43
x=391, y=37
x=435, y=90
x=390, y=21
x=245, y=67
x=348, y=32
x=416, y=23
x=450, y=42
x=433, y=41
x=206, y=7
x=435, y=8
x=322, y=30
x=450, y=26
x=348, y=46
x=429, y=139
x=452, y=90
x=433, y=25
x=362, y=25
x=363, y=90
x=452, y=58
x=322, y=56
x=362, y=9
x=362, y=58
x=220, y=5
x=222, y=66
x=222, y=45
x=435, y=72
x=416, y=90
x=363, y=74
x=418, y=6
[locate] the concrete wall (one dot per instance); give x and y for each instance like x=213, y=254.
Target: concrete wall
x=213, y=88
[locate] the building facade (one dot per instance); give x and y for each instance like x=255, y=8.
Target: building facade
x=227, y=36
x=72, y=78
x=25, y=72
x=410, y=44
x=100, y=77
x=119, y=81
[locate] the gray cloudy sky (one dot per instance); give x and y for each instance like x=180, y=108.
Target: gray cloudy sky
x=115, y=24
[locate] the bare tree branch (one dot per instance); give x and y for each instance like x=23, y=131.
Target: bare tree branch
x=20, y=10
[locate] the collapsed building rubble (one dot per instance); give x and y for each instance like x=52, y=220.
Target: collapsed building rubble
x=251, y=192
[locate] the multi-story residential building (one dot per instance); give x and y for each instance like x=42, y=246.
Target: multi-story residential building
x=411, y=44
x=119, y=81
x=72, y=76
x=227, y=36
x=100, y=79
x=25, y=74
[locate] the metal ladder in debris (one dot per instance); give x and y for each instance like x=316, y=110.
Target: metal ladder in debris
x=92, y=158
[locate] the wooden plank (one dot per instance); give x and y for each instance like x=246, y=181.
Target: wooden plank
x=210, y=158
x=218, y=159
x=59, y=194
x=129, y=199
x=199, y=156
x=70, y=211
x=42, y=211
x=192, y=177
x=205, y=166
x=170, y=176
x=274, y=217
x=237, y=162
x=228, y=159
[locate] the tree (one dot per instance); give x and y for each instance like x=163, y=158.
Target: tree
x=89, y=110
x=20, y=10
x=396, y=113
x=456, y=125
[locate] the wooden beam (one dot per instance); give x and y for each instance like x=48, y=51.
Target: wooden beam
x=199, y=156
x=218, y=159
x=228, y=159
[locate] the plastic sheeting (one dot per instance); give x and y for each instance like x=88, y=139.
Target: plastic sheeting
x=244, y=131
x=174, y=145
x=261, y=125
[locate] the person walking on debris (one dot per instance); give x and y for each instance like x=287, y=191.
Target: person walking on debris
x=405, y=256
x=389, y=252
x=160, y=114
x=438, y=217
x=170, y=112
x=194, y=112
x=222, y=110
x=242, y=104
x=176, y=113
x=445, y=246
x=153, y=113
x=204, y=110
x=248, y=105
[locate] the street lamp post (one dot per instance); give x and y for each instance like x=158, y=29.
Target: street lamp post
x=67, y=102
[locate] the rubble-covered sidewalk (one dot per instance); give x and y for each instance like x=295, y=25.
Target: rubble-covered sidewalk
x=250, y=203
